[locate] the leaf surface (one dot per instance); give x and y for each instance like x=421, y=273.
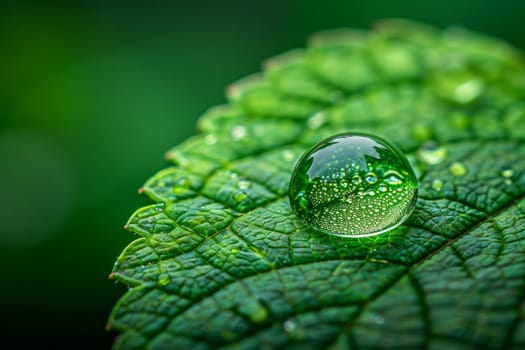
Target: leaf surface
x=222, y=262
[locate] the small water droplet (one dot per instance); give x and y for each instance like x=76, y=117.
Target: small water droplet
x=382, y=188
x=379, y=319
x=430, y=153
x=437, y=185
x=240, y=196
x=287, y=155
x=181, y=186
x=468, y=91
x=244, y=184
x=290, y=326
x=508, y=173
x=238, y=132
x=458, y=169
x=210, y=139
x=317, y=120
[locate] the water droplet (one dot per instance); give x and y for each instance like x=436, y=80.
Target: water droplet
x=379, y=319
x=210, y=139
x=181, y=186
x=507, y=173
x=164, y=280
x=317, y=120
x=238, y=132
x=244, y=184
x=437, y=185
x=240, y=196
x=328, y=203
x=458, y=169
x=468, y=91
x=430, y=153
x=287, y=155
x=289, y=325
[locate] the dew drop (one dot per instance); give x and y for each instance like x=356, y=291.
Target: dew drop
x=317, y=120
x=244, y=184
x=379, y=319
x=239, y=196
x=346, y=203
x=507, y=173
x=181, y=186
x=430, y=153
x=289, y=325
x=287, y=155
x=238, y=132
x=437, y=185
x=458, y=169
x=210, y=139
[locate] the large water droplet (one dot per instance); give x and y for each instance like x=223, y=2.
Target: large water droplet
x=375, y=193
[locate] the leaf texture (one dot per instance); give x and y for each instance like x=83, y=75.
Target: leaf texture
x=222, y=262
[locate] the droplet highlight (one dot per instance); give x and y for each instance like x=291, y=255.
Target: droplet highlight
x=353, y=185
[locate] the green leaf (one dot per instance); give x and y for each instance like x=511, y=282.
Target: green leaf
x=222, y=262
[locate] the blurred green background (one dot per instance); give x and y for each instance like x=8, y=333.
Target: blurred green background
x=93, y=93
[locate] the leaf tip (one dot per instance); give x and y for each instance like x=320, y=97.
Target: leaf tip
x=140, y=190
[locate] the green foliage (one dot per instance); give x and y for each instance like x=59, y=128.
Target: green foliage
x=222, y=262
